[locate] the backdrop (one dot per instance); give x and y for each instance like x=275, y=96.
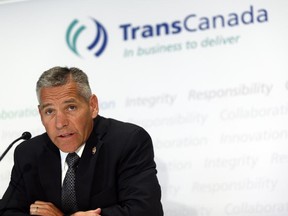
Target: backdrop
x=208, y=81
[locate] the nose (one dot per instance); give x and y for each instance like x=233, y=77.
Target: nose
x=61, y=120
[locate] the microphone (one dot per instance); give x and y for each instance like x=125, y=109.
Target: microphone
x=26, y=136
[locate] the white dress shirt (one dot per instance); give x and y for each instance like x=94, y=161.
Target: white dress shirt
x=64, y=165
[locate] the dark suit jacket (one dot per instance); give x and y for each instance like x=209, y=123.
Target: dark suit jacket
x=120, y=177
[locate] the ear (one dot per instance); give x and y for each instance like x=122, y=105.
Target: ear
x=94, y=108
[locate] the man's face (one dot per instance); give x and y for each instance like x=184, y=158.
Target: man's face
x=67, y=116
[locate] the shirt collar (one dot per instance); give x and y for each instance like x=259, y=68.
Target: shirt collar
x=63, y=155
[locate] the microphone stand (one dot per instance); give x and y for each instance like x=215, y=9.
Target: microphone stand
x=25, y=136
x=9, y=147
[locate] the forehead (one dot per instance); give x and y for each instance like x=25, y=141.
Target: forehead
x=60, y=93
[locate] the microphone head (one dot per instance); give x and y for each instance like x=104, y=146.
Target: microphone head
x=26, y=135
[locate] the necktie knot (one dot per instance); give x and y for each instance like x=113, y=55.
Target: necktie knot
x=72, y=160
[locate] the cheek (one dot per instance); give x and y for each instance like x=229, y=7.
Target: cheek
x=44, y=122
x=47, y=123
x=84, y=124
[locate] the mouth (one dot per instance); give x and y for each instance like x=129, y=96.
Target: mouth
x=66, y=135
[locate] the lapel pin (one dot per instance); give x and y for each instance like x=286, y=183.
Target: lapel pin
x=94, y=150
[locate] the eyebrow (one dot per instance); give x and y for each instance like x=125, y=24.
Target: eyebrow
x=71, y=100
x=43, y=106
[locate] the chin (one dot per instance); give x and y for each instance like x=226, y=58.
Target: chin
x=67, y=149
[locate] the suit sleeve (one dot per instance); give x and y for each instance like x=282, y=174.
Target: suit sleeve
x=14, y=201
x=139, y=192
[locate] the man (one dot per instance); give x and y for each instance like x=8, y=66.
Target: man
x=116, y=172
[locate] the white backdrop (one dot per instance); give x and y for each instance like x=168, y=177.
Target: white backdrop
x=213, y=96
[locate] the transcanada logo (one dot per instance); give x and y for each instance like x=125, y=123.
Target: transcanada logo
x=97, y=43
x=194, y=23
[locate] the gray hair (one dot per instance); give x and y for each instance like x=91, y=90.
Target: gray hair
x=58, y=76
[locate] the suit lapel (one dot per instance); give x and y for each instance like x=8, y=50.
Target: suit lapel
x=86, y=167
x=50, y=173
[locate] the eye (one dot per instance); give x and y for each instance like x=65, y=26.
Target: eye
x=71, y=107
x=48, y=111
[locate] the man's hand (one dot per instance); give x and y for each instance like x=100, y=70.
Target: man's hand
x=95, y=212
x=44, y=209
x=48, y=209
